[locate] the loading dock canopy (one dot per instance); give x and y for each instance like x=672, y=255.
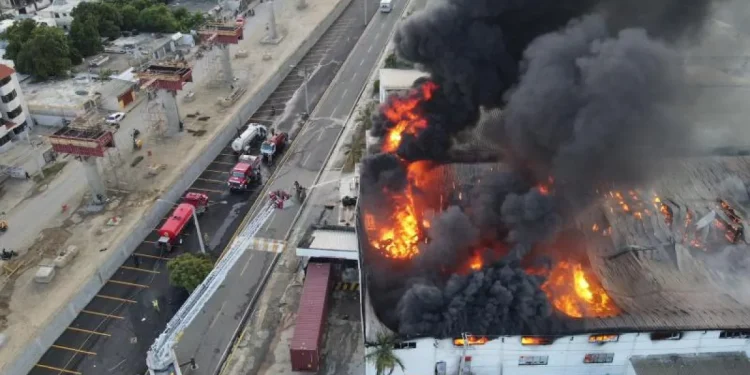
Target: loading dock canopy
x=330, y=241
x=701, y=364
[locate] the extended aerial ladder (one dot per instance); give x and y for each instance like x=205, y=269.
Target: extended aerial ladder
x=161, y=358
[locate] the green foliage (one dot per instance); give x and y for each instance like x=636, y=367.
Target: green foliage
x=16, y=35
x=393, y=62
x=355, y=149
x=105, y=17
x=382, y=357
x=84, y=37
x=188, y=270
x=45, y=54
x=157, y=18
x=129, y=17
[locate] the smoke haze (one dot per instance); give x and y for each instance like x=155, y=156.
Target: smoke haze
x=587, y=98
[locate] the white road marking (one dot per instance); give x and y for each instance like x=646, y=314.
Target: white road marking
x=247, y=264
x=369, y=49
x=217, y=315
x=343, y=95
x=304, y=162
x=361, y=62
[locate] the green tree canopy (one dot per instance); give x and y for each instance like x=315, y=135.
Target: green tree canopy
x=188, y=270
x=45, y=54
x=16, y=35
x=129, y=17
x=105, y=16
x=157, y=18
x=84, y=37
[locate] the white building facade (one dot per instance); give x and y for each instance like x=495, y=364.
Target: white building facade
x=59, y=12
x=567, y=355
x=397, y=81
x=13, y=109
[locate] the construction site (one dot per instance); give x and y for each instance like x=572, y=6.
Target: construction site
x=121, y=180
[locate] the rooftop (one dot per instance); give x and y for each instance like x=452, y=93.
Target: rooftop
x=704, y=364
x=687, y=275
x=394, y=79
x=69, y=93
x=5, y=71
x=329, y=241
x=64, y=6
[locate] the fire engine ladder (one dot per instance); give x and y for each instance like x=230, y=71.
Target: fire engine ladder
x=160, y=357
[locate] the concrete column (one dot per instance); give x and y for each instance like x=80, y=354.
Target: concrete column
x=226, y=65
x=272, y=34
x=169, y=101
x=94, y=178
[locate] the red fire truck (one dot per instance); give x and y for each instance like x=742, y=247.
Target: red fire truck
x=170, y=233
x=245, y=173
x=272, y=146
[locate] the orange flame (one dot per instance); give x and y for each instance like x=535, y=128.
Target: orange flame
x=471, y=340
x=576, y=292
x=403, y=113
x=476, y=262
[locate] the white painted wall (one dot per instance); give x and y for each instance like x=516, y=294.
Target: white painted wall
x=565, y=355
x=13, y=104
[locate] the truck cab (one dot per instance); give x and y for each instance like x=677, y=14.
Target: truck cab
x=245, y=173
x=386, y=6
x=275, y=144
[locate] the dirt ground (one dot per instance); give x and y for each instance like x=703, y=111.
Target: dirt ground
x=135, y=188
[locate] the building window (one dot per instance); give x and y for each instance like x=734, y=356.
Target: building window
x=8, y=98
x=660, y=336
x=405, y=345
x=734, y=334
x=5, y=80
x=14, y=113
x=599, y=358
x=57, y=15
x=533, y=360
x=20, y=128
x=5, y=139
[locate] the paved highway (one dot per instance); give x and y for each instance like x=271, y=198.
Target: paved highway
x=210, y=334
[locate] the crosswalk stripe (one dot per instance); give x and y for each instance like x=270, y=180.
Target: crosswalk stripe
x=267, y=244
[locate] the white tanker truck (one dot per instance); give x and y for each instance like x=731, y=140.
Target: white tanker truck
x=254, y=132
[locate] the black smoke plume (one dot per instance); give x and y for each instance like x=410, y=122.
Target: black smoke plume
x=587, y=100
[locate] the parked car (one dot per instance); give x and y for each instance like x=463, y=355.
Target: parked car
x=115, y=118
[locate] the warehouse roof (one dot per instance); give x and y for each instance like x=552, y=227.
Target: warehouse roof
x=704, y=364
x=329, y=241
x=397, y=79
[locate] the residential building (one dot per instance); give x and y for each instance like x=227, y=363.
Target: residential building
x=23, y=7
x=15, y=114
x=59, y=11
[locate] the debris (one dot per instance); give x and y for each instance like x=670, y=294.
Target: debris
x=114, y=220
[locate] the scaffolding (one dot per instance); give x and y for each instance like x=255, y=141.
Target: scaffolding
x=161, y=80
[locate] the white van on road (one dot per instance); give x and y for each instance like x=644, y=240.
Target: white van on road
x=385, y=6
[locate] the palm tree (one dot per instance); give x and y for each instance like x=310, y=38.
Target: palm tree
x=355, y=149
x=383, y=357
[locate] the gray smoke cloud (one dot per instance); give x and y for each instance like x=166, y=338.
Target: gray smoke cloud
x=589, y=103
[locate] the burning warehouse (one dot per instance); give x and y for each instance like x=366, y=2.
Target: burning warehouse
x=539, y=195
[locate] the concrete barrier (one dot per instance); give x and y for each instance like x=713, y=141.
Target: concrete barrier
x=29, y=356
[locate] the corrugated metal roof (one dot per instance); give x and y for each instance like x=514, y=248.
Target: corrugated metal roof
x=704, y=364
x=312, y=307
x=326, y=239
x=391, y=79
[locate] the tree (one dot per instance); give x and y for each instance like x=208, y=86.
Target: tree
x=355, y=149
x=129, y=17
x=85, y=37
x=157, y=18
x=16, y=35
x=188, y=270
x=188, y=21
x=45, y=54
x=382, y=357
x=106, y=17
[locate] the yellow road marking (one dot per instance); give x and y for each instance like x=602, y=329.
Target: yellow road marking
x=208, y=190
x=64, y=371
x=211, y=180
x=102, y=314
x=116, y=298
x=89, y=331
x=150, y=256
x=72, y=349
x=140, y=270
x=128, y=284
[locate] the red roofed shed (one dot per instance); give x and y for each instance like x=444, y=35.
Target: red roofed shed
x=306, y=344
